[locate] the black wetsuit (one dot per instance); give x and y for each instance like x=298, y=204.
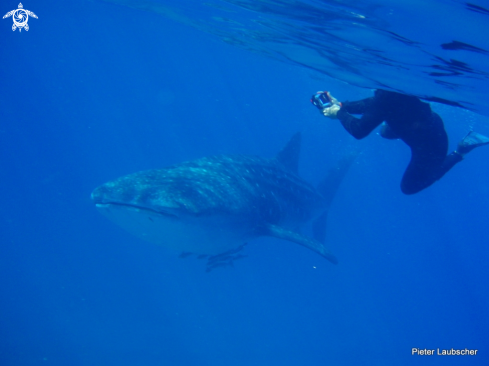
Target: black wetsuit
x=412, y=121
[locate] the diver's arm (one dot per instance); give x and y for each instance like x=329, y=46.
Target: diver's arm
x=360, y=127
x=359, y=106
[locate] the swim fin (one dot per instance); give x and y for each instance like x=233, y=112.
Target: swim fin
x=471, y=141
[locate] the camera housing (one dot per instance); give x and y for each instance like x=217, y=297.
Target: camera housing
x=321, y=100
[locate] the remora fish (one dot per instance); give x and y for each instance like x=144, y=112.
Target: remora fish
x=214, y=205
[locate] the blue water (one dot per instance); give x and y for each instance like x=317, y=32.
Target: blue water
x=94, y=91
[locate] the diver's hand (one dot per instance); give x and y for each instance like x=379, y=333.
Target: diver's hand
x=332, y=111
x=332, y=99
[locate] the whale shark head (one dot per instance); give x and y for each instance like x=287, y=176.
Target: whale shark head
x=190, y=207
x=143, y=191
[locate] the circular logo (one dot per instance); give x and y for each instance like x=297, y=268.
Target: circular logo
x=20, y=18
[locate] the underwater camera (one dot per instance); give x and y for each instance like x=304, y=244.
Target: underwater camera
x=321, y=100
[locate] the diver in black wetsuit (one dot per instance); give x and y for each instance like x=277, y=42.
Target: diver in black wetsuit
x=411, y=120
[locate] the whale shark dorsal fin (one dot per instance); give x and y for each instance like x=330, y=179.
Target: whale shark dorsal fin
x=314, y=245
x=289, y=155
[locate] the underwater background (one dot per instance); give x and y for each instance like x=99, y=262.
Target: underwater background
x=96, y=90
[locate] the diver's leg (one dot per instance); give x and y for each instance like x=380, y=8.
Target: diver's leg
x=450, y=160
x=429, y=161
x=421, y=171
x=468, y=143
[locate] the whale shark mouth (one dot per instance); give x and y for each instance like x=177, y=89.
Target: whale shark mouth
x=108, y=205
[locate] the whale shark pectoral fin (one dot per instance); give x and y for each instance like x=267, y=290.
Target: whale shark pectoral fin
x=314, y=245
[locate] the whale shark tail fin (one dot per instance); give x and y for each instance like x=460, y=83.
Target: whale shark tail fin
x=330, y=184
x=288, y=157
x=328, y=189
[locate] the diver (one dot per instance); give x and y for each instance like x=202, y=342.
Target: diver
x=407, y=118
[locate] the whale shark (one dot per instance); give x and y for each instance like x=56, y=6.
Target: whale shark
x=213, y=206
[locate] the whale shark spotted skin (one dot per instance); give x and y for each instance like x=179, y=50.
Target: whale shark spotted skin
x=216, y=204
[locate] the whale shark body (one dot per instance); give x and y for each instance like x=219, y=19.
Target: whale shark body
x=214, y=205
